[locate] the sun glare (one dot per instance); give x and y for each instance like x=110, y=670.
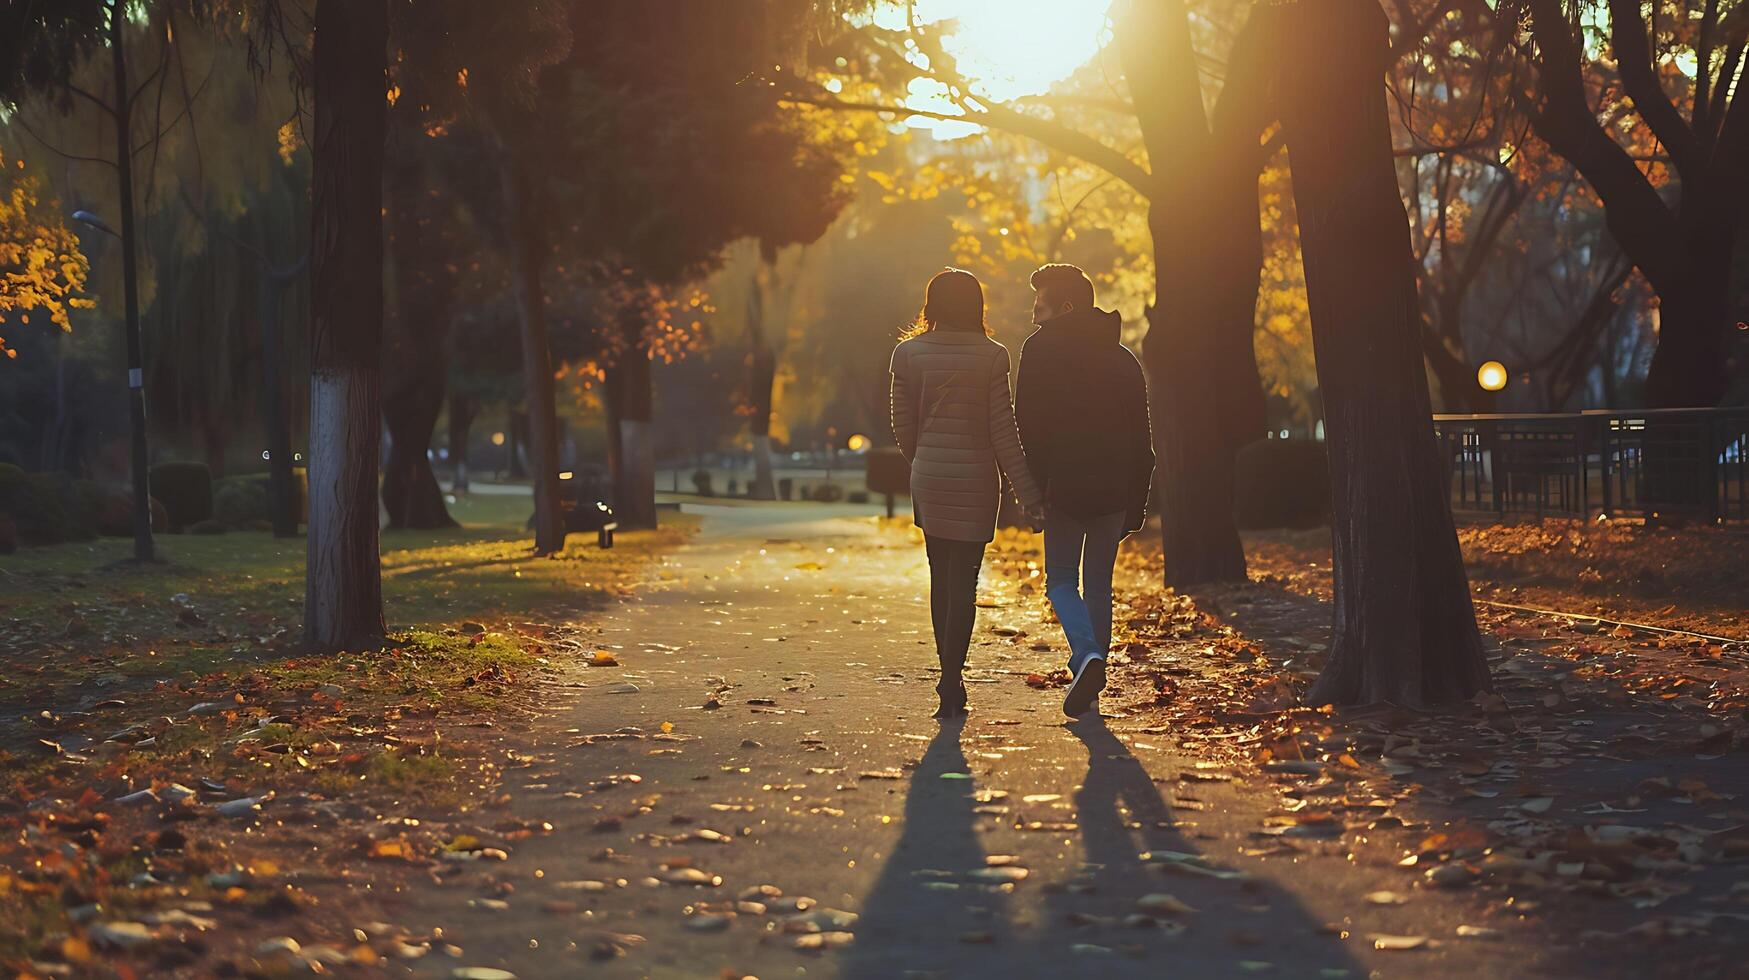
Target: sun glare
x=1009, y=48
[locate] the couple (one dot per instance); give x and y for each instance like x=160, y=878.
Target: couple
x=1074, y=443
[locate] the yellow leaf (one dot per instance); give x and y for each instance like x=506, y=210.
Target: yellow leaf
x=75, y=950
x=389, y=849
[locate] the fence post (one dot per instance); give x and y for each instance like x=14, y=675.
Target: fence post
x=1583, y=464
x=1491, y=446
x=1709, y=464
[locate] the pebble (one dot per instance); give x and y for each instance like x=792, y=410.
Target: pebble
x=122, y=935
x=708, y=922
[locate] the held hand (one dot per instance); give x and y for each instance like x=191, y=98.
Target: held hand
x=1035, y=518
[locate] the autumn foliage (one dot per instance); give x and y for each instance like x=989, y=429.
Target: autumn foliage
x=42, y=271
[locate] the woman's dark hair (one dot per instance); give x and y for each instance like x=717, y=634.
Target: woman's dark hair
x=954, y=301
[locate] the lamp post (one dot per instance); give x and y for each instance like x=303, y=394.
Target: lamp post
x=143, y=548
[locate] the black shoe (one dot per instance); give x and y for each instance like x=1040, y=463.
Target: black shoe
x=1084, y=690
x=953, y=702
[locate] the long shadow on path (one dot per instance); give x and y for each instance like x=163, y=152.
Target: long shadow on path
x=929, y=914
x=925, y=914
x=1133, y=851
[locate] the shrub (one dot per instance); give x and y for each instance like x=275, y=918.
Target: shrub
x=36, y=502
x=208, y=526
x=1281, y=483
x=701, y=483
x=186, y=490
x=241, y=500
x=87, y=500
x=113, y=515
x=70, y=518
x=827, y=493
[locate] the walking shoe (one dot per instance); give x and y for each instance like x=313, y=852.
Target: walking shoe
x=953, y=701
x=1084, y=690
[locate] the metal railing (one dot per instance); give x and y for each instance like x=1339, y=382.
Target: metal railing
x=1692, y=463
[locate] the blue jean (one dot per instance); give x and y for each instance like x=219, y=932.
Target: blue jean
x=1079, y=555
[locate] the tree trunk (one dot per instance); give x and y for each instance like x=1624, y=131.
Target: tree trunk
x=281, y=504
x=411, y=494
x=214, y=440
x=1690, y=368
x=1684, y=254
x=1458, y=391
x=516, y=438
x=462, y=409
x=1203, y=390
x=764, y=376
x=1405, y=631
x=610, y=387
x=415, y=351
x=526, y=256
x=138, y=456
x=343, y=607
x=634, y=478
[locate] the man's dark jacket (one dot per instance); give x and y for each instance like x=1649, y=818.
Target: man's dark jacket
x=1082, y=406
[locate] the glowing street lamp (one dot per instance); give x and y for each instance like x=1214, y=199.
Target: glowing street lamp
x=858, y=443
x=1491, y=376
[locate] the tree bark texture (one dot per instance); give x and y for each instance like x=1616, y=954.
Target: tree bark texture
x=415, y=349
x=526, y=257
x=462, y=409
x=634, y=477
x=343, y=606
x=1405, y=630
x=1202, y=187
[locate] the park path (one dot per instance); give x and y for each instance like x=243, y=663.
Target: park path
x=768, y=725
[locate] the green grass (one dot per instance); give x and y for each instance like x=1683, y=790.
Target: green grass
x=82, y=614
x=483, y=568
x=401, y=770
x=79, y=624
x=195, y=660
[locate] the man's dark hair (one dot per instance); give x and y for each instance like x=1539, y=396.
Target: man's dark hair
x=1066, y=282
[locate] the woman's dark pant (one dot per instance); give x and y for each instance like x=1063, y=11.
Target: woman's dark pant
x=953, y=598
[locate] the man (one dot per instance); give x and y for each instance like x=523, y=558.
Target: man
x=1082, y=407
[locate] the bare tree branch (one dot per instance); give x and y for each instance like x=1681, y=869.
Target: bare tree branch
x=93, y=99
x=1632, y=206
x=998, y=116
x=57, y=151
x=1634, y=59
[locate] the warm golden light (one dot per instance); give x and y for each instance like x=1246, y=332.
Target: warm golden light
x=497, y=438
x=858, y=443
x=1009, y=48
x=1491, y=376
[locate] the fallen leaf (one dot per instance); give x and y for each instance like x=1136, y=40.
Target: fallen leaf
x=1398, y=942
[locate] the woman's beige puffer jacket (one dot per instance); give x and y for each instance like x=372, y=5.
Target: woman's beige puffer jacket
x=953, y=415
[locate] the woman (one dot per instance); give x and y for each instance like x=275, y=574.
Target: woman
x=953, y=417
